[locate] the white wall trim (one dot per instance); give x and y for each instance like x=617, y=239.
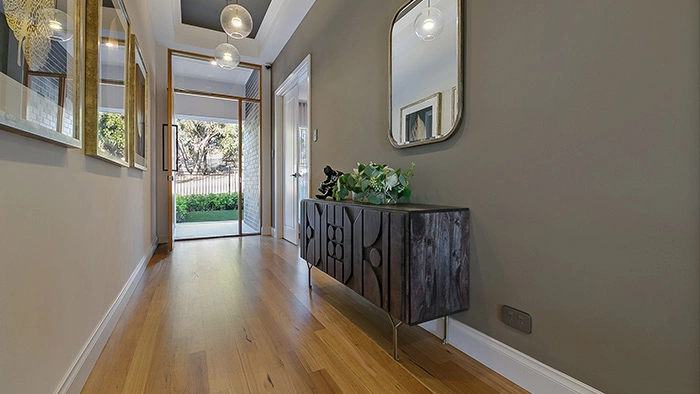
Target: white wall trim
x=523, y=370
x=78, y=373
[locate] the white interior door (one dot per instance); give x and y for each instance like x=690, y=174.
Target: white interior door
x=293, y=142
x=291, y=167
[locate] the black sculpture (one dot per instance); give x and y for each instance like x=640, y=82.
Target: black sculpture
x=327, y=186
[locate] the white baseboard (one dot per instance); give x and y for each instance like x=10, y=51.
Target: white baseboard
x=521, y=369
x=79, y=372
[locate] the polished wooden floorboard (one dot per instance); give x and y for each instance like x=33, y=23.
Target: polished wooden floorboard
x=234, y=315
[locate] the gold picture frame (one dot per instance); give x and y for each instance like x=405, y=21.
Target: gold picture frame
x=108, y=113
x=140, y=102
x=41, y=92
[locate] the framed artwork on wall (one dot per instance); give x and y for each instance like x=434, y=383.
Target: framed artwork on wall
x=139, y=141
x=108, y=113
x=40, y=63
x=421, y=120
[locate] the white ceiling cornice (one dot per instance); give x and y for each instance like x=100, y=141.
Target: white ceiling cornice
x=278, y=25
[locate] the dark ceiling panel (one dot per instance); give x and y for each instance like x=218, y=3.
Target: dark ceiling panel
x=205, y=13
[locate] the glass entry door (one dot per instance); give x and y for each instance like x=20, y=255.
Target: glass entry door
x=218, y=117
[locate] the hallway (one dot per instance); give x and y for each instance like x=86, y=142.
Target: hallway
x=234, y=315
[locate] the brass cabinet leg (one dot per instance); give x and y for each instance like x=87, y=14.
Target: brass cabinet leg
x=310, y=267
x=395, y=328
x=446, y=321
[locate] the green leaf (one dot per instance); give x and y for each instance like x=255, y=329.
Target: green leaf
x=373, y=199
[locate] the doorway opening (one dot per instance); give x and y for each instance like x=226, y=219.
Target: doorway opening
x=216, y=115
x=293, y=144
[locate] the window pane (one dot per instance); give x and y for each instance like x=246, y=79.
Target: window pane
x=200, y=75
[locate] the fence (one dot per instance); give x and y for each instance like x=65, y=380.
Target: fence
x=187, y=184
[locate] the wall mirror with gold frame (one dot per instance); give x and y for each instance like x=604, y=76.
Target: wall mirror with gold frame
x=40, y=61
x=425, y=72
x=108, y=115
x=138, y=143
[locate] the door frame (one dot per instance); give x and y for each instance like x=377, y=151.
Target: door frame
x=301, y=72
x=172, y=174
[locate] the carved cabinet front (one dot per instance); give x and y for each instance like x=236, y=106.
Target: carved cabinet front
x=410, y=260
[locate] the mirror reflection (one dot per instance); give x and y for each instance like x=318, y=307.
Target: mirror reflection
x=37, y=67
x=425, y=64
x=112, y=136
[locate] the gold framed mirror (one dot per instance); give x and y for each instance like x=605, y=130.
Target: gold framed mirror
x=140, y=102
x=107, y=74
x=41, y=53
x=425, y=72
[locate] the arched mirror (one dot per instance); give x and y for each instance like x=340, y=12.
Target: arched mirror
x=425, y=65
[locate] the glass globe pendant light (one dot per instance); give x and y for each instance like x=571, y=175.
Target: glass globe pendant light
x=429, y=23
x=60, y=25
x=227, y=56
x=236, y=21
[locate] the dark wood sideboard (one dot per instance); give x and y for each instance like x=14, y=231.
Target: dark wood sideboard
x=411, y=260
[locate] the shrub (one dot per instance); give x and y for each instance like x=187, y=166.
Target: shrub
x=204, y=202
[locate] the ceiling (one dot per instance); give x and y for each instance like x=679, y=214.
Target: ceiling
x=193, y=26
x=205, y=13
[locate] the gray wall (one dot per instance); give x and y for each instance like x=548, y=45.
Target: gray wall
x=578, y=157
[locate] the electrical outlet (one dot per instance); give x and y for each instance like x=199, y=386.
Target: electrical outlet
x=516, y=319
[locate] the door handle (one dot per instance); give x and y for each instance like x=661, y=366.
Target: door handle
x=296, y=175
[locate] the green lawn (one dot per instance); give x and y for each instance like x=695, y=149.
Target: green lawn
x=210, y=216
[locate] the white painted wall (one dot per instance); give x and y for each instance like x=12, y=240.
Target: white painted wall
x=72, y=231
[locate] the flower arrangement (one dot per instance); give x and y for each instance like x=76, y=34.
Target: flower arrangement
x=374, y=183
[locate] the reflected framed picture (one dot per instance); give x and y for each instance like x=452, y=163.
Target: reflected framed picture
x=139, y=100
x=420, y=120
x=108, y=113
x=40, y=77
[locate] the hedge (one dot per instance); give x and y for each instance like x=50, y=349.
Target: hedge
x=205, y=202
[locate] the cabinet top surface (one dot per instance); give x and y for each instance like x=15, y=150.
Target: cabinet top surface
x=406, y=207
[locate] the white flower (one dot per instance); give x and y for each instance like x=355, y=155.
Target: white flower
x=391, y=180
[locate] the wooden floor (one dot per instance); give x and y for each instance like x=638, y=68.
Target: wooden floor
x=235, y=315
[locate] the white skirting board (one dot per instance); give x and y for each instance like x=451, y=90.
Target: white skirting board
x=519, y=368
x=79, y=372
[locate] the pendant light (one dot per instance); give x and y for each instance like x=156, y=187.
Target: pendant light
x=227, y=56
x=236, y=21
x=60, y=24
x=429, y=23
